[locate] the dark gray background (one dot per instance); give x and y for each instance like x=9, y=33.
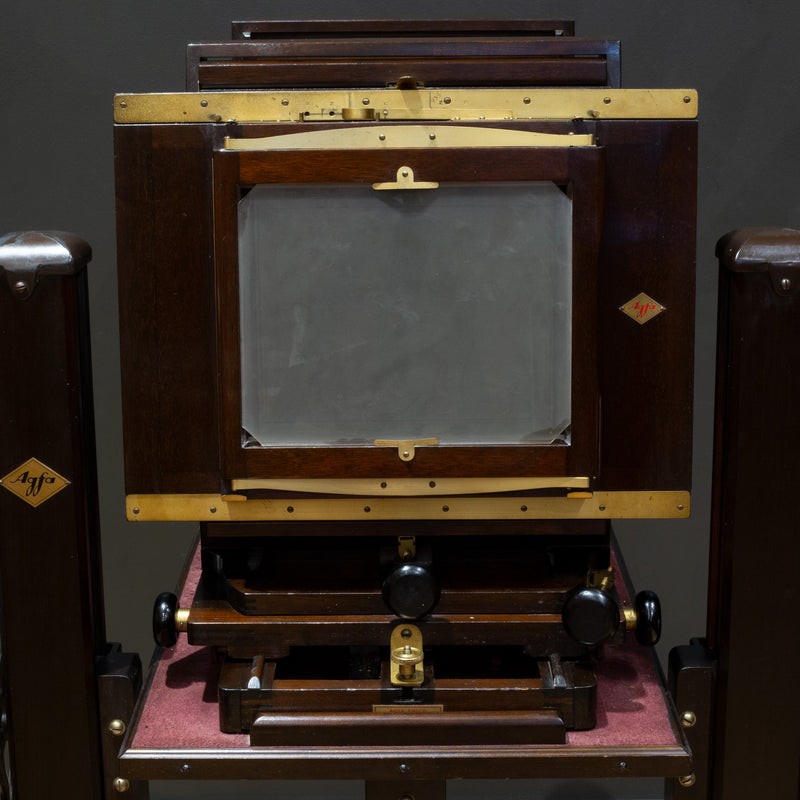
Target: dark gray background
x=61, y=63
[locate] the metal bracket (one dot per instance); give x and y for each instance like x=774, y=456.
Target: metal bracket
x=405, y=447
x=26, y=255
x=405, y=180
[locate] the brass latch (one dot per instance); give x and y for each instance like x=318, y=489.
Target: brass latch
x=405, y=180
x=405, y=447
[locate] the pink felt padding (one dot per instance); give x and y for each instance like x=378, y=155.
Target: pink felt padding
x=181, y=710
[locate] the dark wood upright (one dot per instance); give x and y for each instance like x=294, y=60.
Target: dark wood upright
x=755, y=552
x=52, y=628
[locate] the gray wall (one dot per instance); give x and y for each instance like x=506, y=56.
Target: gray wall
x=61, y=63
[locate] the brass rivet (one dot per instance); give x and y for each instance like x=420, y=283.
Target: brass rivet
x=681, y=506
x=290, y=509
x=213, y=509
x=116, y=727
x=121, y=784
x=382, y=136
x=365, y=101
x=204, y=103
x=523, y=508
x=786, y=284
x=602, y=508
x=445, y=508
x=687, y=780
x=123, y=104
x=384, y=485
x=526, y=100
x=432, y=136
x=606, y=100
x=688, y=719
x=447, y=100
x=432, y=484
x=367, y=509
x=687, y=99
x=405, y=633
x=136, y=510
x=284, y=102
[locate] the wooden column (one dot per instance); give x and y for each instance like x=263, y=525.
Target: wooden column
x=755, y=552
x=53, y=626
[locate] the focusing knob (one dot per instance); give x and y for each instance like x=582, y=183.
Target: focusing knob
x=590, y=615
x=648, y=618
x=165, y=628
x=410, y=590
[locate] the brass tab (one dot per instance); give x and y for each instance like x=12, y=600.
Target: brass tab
x=405, y=180
x=405, y=447
x=34, y=482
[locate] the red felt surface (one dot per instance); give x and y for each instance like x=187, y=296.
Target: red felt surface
x=181, y=709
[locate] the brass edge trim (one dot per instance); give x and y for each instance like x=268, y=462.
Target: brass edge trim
x=387, y=104
x=602, y=505
x=407, y=487
x=387, y=137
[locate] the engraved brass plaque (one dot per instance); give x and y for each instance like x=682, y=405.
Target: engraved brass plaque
x=34, y=482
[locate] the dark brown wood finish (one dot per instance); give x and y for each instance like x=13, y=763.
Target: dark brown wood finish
x=755, y=547
x=648, y=245
x=167, y=324
x=356, y=28
x=581, y=169
x=52, y=623
x=443, y=60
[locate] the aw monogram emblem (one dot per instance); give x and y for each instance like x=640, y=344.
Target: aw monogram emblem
x=34, y=482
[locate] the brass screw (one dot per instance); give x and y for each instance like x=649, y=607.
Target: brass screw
x=687, y=780
x=606, y=100
x=365, y=101
x=688, y=719
x=20, y=287
x=687, y=99
x=786, y=284
x=121, y=784
x=116, y=727
x=284, y=102
x=204, y=103
x=526, y=100
x=123, y=104
x=447, y=100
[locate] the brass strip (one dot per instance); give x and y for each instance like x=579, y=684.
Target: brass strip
x=407, y=487
x=602, y=505
x=387, y=137
x=392, y=104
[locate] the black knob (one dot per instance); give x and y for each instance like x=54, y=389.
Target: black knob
x=165, y=631
x=590, y=615
x=410, y=590
x=648, y=618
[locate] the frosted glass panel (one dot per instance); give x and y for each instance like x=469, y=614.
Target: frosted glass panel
x=405, y=314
